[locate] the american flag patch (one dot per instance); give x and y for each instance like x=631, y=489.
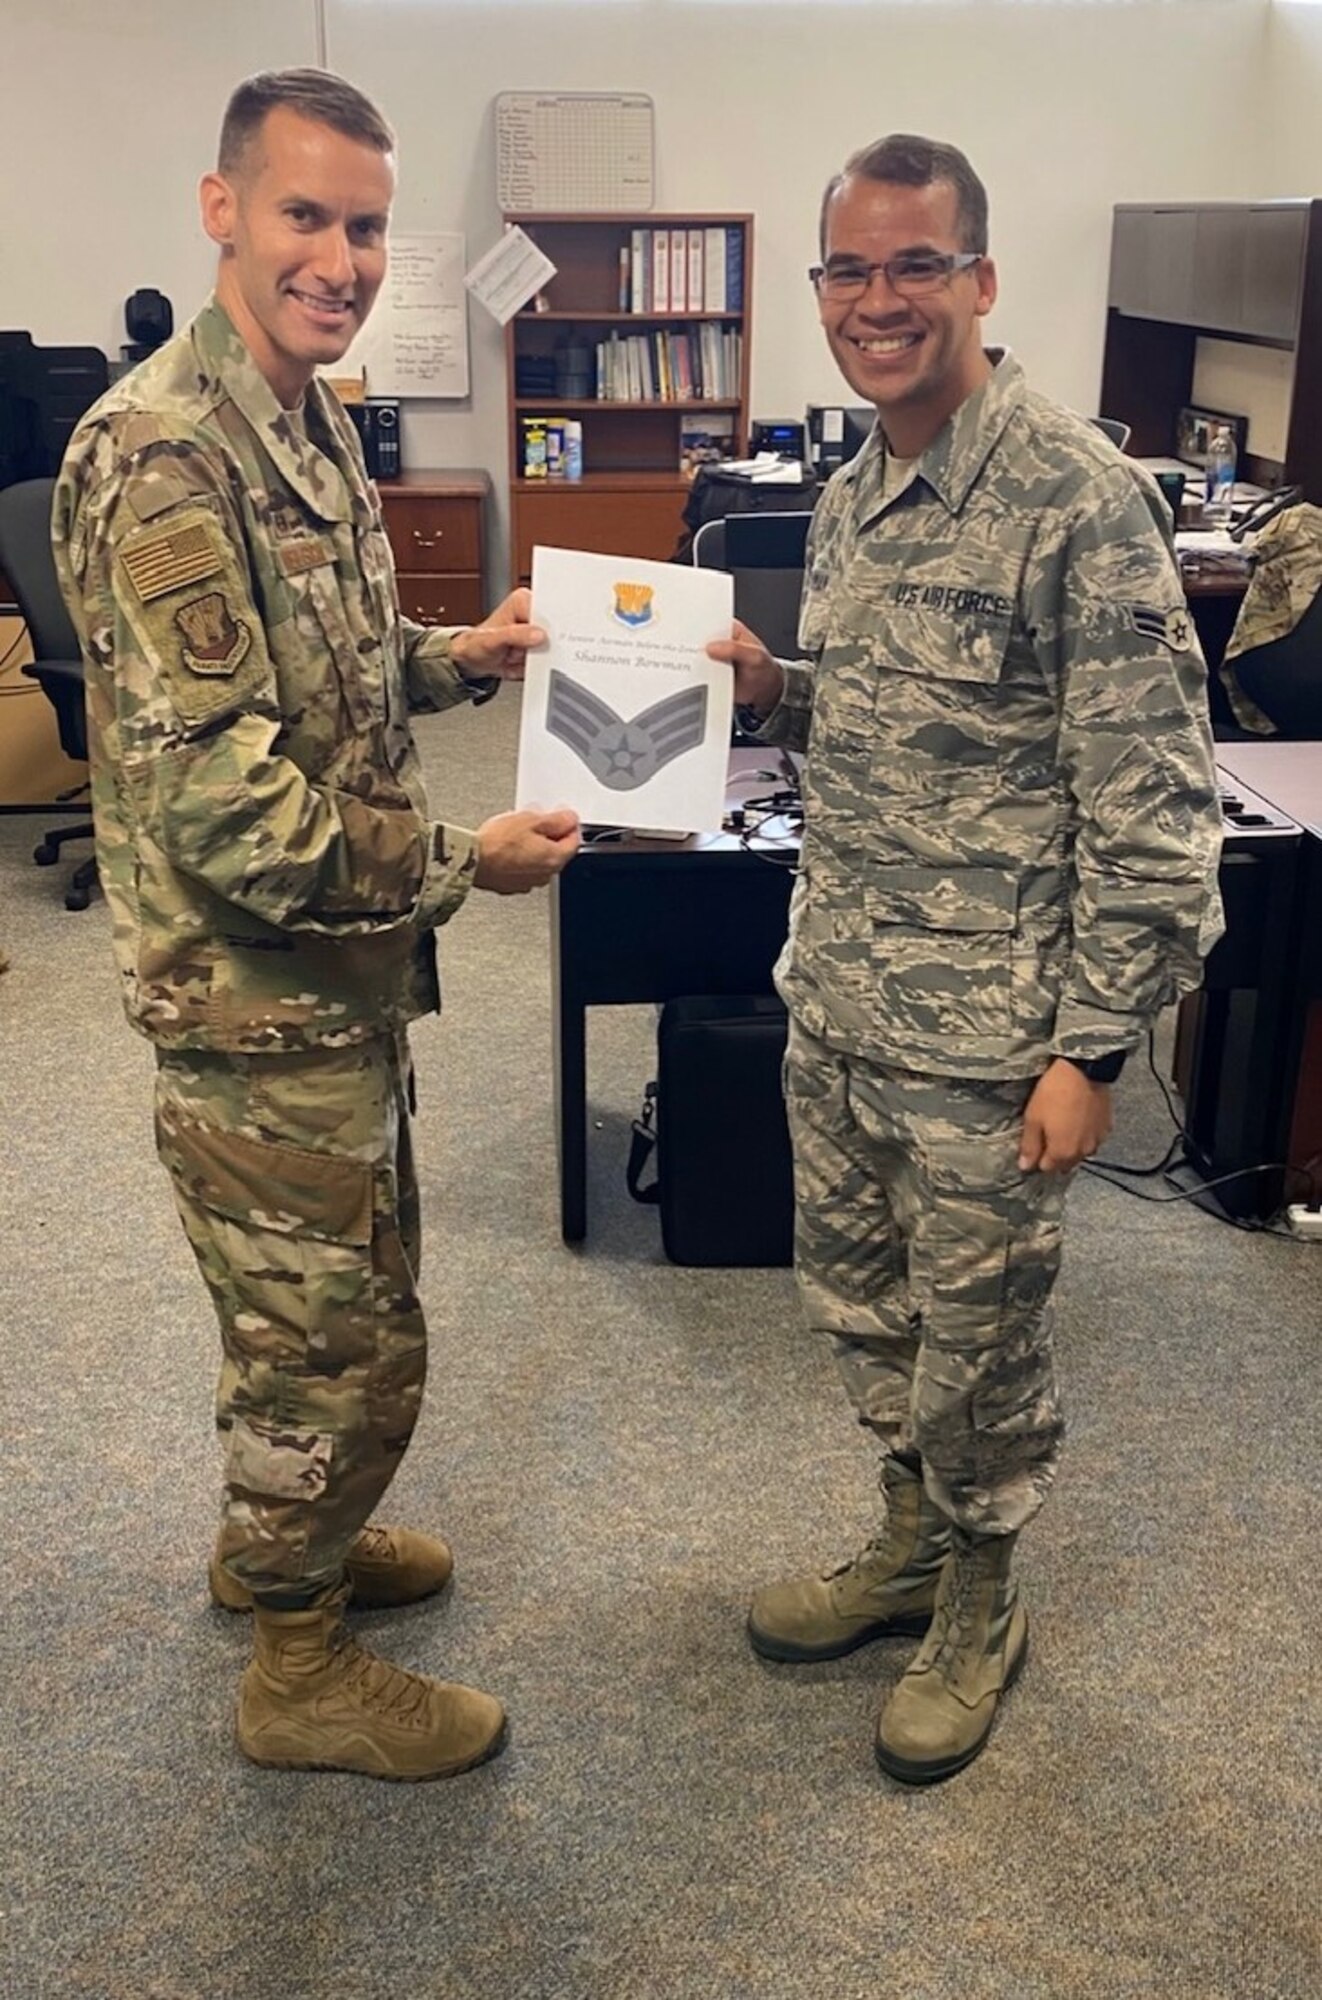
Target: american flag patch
x=166, y=562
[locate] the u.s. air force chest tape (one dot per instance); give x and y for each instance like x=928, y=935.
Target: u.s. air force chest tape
x=179, y=585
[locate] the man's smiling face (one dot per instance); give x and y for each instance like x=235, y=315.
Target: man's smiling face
x=916, y=359
x=302, y=229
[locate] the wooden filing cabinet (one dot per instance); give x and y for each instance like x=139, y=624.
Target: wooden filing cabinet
x=436, y=522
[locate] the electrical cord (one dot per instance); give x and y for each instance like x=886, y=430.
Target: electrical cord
x=751, y=833
x=1117, y=1173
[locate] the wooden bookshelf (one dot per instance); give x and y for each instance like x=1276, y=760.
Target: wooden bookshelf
x=631, y=496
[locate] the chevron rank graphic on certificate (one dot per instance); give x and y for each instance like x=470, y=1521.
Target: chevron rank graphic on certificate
x=624, y=716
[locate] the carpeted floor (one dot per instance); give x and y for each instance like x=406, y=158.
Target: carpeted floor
x=620, y=1450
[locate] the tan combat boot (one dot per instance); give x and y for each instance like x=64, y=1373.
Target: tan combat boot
x=313, y=1700
x=888, y=1588
x=385, y=1567
x=941, y=1714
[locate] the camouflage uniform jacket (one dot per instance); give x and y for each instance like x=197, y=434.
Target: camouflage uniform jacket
x=1012, y=829
x=1286, y=578
x=262, y=831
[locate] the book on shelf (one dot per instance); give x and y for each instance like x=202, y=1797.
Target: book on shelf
x=734, y=270
x=696, y=289
x=660, y=270
x=679, y=267
x=638, y=293
x=713, y=269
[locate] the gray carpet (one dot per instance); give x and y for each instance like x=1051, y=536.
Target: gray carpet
x=620, y=1450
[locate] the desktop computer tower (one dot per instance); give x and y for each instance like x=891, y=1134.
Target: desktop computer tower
x=836, y=433
x=1232, y=1033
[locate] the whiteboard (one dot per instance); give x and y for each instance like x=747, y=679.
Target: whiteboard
x=577, y=149
x=415, y=342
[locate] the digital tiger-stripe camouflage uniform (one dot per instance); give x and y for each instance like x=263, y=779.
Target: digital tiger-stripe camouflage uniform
x=1010, y=854
x=274, y=881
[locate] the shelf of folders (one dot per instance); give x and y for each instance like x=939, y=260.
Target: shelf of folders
x=689, y=270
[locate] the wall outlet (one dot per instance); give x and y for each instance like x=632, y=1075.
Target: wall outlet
x=1305, y=1222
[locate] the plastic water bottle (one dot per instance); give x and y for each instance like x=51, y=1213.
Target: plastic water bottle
x=1219, y=498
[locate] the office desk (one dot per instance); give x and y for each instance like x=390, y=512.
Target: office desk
x=634, y=921
x=1290, y=775
x=637, y=921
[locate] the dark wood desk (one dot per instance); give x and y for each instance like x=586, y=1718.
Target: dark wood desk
x=634, y=921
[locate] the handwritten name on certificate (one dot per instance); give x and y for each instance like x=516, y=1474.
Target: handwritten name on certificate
x=624, y=716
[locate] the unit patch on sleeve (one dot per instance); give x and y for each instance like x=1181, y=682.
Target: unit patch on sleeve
x=214, y=639
x=1173, y=628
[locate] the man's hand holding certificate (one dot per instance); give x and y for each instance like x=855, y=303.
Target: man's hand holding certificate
x=624, y=716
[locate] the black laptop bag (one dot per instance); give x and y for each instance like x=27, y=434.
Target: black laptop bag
x=716, y=1118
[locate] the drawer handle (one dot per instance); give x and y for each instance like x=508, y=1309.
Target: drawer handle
x=436, y=617
x=429, y=542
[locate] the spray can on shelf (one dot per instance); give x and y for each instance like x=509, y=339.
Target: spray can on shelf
x=1219, y=493
x=573, y=449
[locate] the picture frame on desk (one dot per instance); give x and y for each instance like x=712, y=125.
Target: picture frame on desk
x=1194, y=428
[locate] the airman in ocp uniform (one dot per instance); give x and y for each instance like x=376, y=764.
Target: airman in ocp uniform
x=275, y=878
x=1009, y=868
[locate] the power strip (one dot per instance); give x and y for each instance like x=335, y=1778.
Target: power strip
x=1304, y=1221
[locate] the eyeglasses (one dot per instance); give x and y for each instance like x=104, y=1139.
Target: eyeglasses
x=910, y=277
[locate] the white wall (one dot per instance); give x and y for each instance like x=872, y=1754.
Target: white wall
x=109, y=113
x=1293, y=87
x=1065, y=106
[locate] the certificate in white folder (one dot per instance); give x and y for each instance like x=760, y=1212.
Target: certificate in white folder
x=624, y=716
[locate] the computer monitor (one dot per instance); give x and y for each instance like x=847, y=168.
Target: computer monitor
x=766, y=541
x=43, y=393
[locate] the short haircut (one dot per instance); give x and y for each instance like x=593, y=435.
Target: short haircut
x=314, y=94
x=903, y=160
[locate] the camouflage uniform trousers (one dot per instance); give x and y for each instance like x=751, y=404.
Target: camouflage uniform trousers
x=930, y=1258
x=293, y=1174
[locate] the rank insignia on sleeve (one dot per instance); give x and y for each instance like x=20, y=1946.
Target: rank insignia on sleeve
x=168, y=561
x=214, y=639
x=1172, y=628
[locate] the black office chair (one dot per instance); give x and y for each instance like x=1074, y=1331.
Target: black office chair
x=1114, y=428
x=764, y=554
x=26, y=559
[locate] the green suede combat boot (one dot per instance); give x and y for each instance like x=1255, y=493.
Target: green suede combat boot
x=314, y=1700
x=385, y=1567
x=941, y=1714
x=888, y=1588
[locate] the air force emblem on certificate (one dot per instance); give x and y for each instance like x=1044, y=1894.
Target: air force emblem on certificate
x=633, y=604
x=623, y=754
